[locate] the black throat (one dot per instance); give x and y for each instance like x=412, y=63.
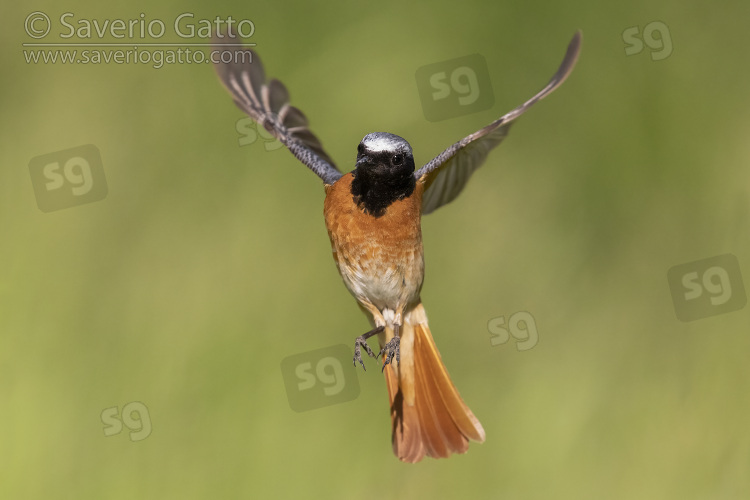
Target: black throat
x=374, y=192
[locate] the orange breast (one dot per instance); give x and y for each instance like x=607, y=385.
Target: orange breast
x=379, y=258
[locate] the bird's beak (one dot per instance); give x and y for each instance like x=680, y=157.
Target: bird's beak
x=363, y=161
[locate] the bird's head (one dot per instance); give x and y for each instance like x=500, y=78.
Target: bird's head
x=384, y=171
x=384, y=155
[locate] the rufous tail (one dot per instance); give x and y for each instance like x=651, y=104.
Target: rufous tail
x=428, y=415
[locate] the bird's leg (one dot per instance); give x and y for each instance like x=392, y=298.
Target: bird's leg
x=362, y=341
x=392, y=348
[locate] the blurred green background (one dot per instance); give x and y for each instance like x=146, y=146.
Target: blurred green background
x=208, y=263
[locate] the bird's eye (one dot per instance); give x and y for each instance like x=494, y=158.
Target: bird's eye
x=397, y=159
x=360, y=148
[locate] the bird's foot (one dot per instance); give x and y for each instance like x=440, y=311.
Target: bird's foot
x=362, y=341
x=392, y=349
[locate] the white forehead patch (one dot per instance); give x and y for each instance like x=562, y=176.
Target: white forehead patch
x=379, y=142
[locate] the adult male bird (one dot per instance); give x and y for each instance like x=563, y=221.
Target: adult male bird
x=373, y=216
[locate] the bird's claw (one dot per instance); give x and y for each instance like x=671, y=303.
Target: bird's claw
x=392, y=349
x=361, y=341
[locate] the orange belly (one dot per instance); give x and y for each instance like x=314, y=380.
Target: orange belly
x=379, y=258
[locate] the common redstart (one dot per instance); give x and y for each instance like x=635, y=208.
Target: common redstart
x=373, y=216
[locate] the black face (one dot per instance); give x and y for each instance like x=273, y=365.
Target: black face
x=384, y=172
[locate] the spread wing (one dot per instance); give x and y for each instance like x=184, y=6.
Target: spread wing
x=447, y=174
x=267, y=102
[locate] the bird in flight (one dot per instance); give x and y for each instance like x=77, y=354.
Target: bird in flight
x=373, y=217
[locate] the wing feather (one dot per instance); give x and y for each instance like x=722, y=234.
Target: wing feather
x=447, y=174
x=267, y=103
